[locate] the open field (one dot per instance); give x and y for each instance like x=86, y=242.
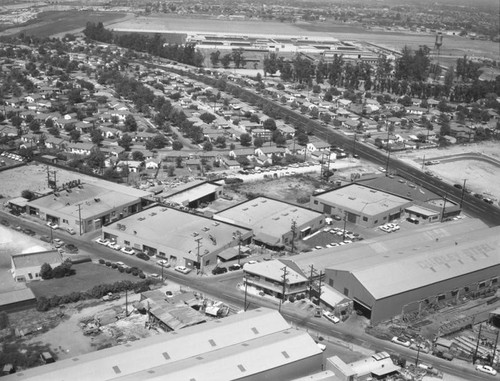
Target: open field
x=87, y=276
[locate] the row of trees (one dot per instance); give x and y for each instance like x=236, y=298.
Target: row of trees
x=155, y=45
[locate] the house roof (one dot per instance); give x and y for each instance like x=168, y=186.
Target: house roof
x=37, y=259
x=274, y=270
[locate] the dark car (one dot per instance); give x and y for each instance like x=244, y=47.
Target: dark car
x=219, y=270
x=70, y=248
x=28, y=231
x=235, y=267
x=458, y=186
x=143, y=256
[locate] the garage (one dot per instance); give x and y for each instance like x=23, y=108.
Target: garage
x=362, y=307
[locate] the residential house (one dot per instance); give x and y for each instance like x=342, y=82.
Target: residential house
x=318, y=146
x=79, y=148
x=242, y=152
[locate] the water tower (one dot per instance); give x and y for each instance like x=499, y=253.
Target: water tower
x=437, y=45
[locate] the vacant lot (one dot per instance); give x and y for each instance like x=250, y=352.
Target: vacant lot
x=87, y=276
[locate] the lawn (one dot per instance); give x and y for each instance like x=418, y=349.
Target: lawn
x=87, y=276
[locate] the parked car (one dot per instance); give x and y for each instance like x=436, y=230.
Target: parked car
x=142, y=256
x=52, y=225
x=70, y=248
x=102, y=241
x=334, y=319
x=234, y=267
x=486, y=369
x=47, y=357
x=412, y=220
x=71, y=231
x=45, y=238
x=114, y=246
x=110, y=296
x=219, y=270
x=127, y=250
x=163, y=263
x=182, y=269
x=401, y=341
x=28, y=231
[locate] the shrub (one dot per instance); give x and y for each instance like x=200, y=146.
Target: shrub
x=4, y=320
x=291, y=298
x=128, y=270
x=42, y=304
x=114, y=265
x=135, y=272
x=142, y=276
x=108, y=263
x=121, y=269
x=102, y=261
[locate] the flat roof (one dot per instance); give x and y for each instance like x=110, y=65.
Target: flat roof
x=190, y=192
x=266, y=216
x=274, y=270
x=360, y=198
x=36, y=259
x=180, y=231
x=94, y=199
x=422, y=211
x=155, y=351
x=415, y=237
x=393, y=272
x=398, y=186
x=16, y=295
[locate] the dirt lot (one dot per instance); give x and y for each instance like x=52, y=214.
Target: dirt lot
x=481, y=177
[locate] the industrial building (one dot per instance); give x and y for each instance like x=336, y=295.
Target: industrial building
x=384, y=283
x=378, y=366
x=183, y=238
x=280, y=278
x=88, y=207
x=361, y=205
x=274, y=223
x=255, y=345
x=192, y=194
x=26, y=267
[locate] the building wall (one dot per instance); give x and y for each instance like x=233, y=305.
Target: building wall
x=28, y=274
x=411, y=301
x=357, y=216
x=315, y=224
x=296, y=369
x=272, y=287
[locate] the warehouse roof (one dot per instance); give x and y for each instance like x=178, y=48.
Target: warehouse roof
x=360, y=198
x=398, y=186
x=94, y=199
x=392, y=272
x=173, y=347
x=415, y=237
x=267, y=217
x=274, y=270
x=36, y=259
x=180, y=231
x=190, y=192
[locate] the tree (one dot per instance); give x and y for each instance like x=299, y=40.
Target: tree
x=75, y=135
x=27, y=194
x=302, y=139
x=270, y=64
x=125, y=142
x=178, y=161
x=226, y=60
x=270, y=124
x=34, y=126
x=220, y=142
x=137, y=156
x=177, y=145
x=215, y=58
x=245, y=140
x=171, y=171
x=96, y=158
x=258, y=142
x=254, y=118
x=46, y=271
x=208, y=146
x=207, y=117
x=96, y=136
x=130, y=123
x=238, y=58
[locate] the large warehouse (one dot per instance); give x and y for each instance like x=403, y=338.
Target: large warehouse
x=183, y=238
x=384, y=283
x=272, y=221
x=255, y=345
x=361, y=205
x=87, y=207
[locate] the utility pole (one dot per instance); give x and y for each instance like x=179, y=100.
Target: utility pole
x=444, y=207
x=418, y=354
x=494, y=350
x=80, y=217
x=463, y=193
x=423, y=163
x=354, y=146
x=345, y=223
x=239, y=248
x=283, y=277
x=245, y=301
x=477, y=344
x=311, y=281
x=319, y=287
x=198, y=254
x=126, y=303
x=388, y=153
x=294, y=228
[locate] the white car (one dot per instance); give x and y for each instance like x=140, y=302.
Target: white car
x=71, y=231
x=114, y=246
x=401, y=341
x=182, y=269
x=163, y=263
x=486, y=369
x=334, y=319
x=121, y=264
x=127, y=250
x=52, y=225
x=102, y=241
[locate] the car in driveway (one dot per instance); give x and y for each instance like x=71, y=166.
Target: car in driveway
x=70, y=231
x=102, y=241
x=70, y=248
x=401, y=341
x=182, y=269
x=52, y=225
x=486, y=369
x=334, y=319
x=127, y=250
x=234, y=267
x=114, y=246
x=163, y=263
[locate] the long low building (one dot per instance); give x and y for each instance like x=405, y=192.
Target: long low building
x=274, y=223
x=183, y=238
x=255, y=345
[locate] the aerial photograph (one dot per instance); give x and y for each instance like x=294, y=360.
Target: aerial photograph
x=289, y=190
